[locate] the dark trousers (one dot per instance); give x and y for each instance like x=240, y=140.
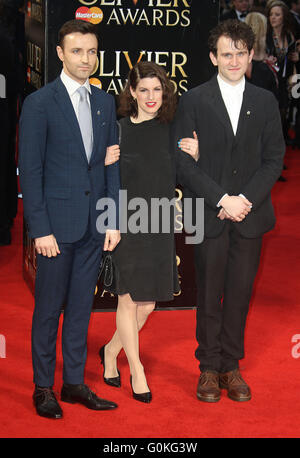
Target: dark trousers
x=225, y=271
x=70, y=279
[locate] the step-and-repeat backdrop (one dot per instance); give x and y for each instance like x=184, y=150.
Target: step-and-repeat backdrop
x=172, y=33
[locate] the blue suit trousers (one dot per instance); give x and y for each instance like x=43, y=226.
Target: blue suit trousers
x=69, y=279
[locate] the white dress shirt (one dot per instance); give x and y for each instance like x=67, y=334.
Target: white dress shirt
x=233, y=99
x=72, y=86
x=239, y=15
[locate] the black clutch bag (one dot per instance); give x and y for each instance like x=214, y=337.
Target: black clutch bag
x=106, y=276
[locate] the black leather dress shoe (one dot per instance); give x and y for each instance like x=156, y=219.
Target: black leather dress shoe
x=83, y=395
x=112, y=381
x=46, y=404
x=142, y=397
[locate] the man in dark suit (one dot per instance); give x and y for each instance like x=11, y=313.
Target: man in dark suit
x=239, y=10
x=65, y=128
x=295, y=14
x=240, y=158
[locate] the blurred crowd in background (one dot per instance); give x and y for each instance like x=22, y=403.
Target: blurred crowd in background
x=276, y=61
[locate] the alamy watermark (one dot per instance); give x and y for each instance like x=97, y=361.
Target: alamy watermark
x=2, y=346
x=137, y=216
x=296, y=348
x=2, y=87
x=295, y=81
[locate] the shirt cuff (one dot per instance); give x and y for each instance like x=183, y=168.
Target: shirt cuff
x=218, y=204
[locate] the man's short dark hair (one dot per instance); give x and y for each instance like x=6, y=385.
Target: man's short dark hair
x=237, y=31
x=73, y=26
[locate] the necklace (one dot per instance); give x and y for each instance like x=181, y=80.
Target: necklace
x=281, y=52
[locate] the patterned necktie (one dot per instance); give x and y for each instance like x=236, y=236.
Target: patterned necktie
x=85, y=121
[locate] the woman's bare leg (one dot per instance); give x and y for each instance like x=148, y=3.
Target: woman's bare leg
x=138, y=313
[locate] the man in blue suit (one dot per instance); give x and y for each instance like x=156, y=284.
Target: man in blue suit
x=65, y=128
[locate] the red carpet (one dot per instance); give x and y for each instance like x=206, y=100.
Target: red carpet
x=167, y=348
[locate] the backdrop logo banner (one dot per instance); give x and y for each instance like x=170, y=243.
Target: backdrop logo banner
x=139, y=18
x=113, y=67
x=93, y=15
x=150, y=13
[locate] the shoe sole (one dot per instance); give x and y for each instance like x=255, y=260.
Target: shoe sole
x=239, y=399
x=71, y=401
x=57, y=417
x=233, y=398
x=44, y=415
x=207, y=399
x=49, y=417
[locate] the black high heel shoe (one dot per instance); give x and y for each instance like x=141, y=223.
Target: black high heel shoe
x=112, y=381
x=142, y=397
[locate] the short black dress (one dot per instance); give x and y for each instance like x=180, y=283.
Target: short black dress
x=145, y=263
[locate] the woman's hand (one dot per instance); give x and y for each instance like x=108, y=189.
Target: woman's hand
x=190, y=146
x=271, y=60
x=112, y=154
x=112, y=238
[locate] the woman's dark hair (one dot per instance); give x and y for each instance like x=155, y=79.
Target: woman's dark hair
x=237, y=31
x=73, y=26
x=127, y=104
x=287, y=24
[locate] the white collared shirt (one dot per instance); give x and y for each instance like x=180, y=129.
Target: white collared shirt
x=233, y=99
x=72, y=86
x=239, y=13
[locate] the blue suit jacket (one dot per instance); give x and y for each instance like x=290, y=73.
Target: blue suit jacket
x=60, y=188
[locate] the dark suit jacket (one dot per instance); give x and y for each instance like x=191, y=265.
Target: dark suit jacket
x=248, y=163
x=231, y=14
x=60, y=188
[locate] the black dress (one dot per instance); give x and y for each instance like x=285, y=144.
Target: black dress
x=263, y=76
x=146, y=262
x=285, y=66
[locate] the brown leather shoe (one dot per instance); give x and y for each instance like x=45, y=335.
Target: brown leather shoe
x=237, y=388
x=208, y=389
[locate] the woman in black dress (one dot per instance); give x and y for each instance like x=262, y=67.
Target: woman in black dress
x=145, y=260
x=280, y=43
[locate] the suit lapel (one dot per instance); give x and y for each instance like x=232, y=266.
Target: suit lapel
x=219, y=105
x=96, y=118
x=247, y=110
x=64, y=102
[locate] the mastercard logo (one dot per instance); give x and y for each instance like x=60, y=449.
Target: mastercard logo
x=96, y=82
x=93, y=15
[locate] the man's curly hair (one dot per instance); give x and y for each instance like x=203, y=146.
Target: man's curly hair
x=237, y=31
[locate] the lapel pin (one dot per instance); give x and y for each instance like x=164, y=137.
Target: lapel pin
x=248, y=113
x=98, y=112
